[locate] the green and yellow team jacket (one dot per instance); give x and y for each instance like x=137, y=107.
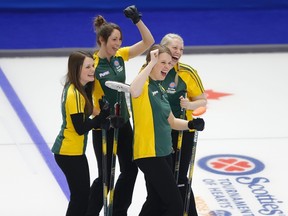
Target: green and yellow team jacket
x=68, y=141
x=112, y=71
x=152, y=132
x=180, y=80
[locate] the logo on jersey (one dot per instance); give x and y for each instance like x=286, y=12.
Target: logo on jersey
x=116, y=63
x=172, y=85
x=117, y=66
x=228, y=164
x=171, y=88
x=155, y=92
x=104, y=74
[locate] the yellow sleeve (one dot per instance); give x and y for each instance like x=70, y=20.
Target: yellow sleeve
x=75, y=102
x=124, y=52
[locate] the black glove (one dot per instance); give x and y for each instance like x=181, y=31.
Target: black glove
x=103, y=104
x=117, y=121
x=102, y=120
x=132, y=13
x=104, y=113
x=197, y=124
x=105, y=124
x=104, y=108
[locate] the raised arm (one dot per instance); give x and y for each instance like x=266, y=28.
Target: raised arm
x=140, y=47
x=136, y=86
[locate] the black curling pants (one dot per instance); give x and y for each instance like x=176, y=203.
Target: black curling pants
x=163, y=197
x=186, y=153
x=76, y=170
x=125, y=183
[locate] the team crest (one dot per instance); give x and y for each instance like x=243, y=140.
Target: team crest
x=117, y=66
x=171, y=88
x=172, y=85
x=116, y=63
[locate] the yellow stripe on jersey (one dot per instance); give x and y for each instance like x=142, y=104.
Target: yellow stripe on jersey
x=193, y=83
x=68, y=141
x=77, y=102
x=187, y=69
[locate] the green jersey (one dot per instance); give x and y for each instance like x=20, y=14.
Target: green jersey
x=180, y=80
x=152, y=131
x=113, y=70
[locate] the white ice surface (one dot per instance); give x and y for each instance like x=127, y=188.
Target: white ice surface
x=252, y=121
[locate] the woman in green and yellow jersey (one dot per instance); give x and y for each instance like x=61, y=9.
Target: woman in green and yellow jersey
x=70, y=145
x=185, y=91
x=110, y=65
x=152, y=148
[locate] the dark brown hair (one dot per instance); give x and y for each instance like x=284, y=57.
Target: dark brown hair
x=104, y=29
x=75, y=63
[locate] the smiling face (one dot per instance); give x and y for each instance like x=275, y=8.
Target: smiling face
x=176, y=47
x=175, y=44
x=87, y=71
x=162, y=67
x=112, y=45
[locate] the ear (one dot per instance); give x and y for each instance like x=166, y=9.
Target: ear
x=101, y=39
